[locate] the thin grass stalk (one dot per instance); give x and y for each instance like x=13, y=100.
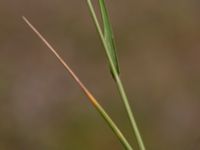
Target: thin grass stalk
x=130, y=113
x=91, y=98
x=118, y=80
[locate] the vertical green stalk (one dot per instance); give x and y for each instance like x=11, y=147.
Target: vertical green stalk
x=130, y=113
x=117, y=79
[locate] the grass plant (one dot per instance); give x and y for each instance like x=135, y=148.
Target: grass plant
x=107, y=39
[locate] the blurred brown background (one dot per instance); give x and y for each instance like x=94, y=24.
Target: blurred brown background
x=42, y=108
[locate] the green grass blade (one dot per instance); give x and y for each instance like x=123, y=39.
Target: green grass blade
x=91, y=98
x=108, y=35
x=108, y=43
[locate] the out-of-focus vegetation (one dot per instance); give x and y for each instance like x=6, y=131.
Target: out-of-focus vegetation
x=158, y=43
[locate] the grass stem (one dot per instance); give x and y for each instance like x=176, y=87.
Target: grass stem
x=118, y=80
x=92, y=99
x=130, y=113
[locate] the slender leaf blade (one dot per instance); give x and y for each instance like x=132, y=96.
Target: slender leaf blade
x=108, y=36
